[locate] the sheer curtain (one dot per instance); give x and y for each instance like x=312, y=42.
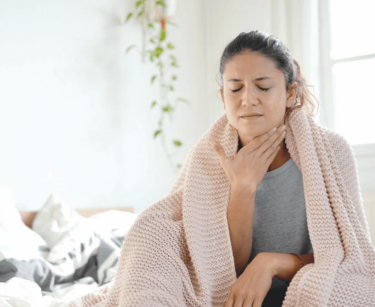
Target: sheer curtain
x=306, y=29
x=296, y=24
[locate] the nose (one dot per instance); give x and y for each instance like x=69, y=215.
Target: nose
x=249, y=96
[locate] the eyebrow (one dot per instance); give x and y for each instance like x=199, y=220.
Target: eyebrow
x=239, y=80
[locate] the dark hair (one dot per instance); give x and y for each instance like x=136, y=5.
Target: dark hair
x=271, y=47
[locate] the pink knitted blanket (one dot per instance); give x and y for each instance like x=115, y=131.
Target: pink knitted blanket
x=178, y=252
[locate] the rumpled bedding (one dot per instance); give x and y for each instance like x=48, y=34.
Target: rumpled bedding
x=62, y=257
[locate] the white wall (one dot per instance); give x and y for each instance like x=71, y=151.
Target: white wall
x=293, y=22
x=225, y=20
x=75, y=117
x=74, y=110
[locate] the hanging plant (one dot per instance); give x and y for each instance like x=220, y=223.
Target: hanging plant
x=154, y=16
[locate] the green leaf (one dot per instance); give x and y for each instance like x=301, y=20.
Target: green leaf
x=129, y=48
x=157, y=20
x=174, y=77
x=153, y=103
x=163, y=34
x=168, y=108
x=174, y=64
x=153, y=78
x=177, y=142
x=151, y=56
x=140, y=14
x=152, y=41
x=179, y=165
x=160, y=64
x=138, y=3
x=172, y=57
x=159, y=123
x=158, y=51
x=128, y=17
x=150, y=25
x=171, y=88
x=157, y=132
x=170, y=46
x=160, y=3
x=183, y=100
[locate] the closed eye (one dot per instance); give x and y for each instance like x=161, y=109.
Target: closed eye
x=263, y=89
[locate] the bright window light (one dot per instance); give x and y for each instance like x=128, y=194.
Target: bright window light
x=352, y=28
x=355, y=100
x=352, y=35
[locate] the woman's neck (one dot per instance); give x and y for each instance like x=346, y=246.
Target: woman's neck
x=281, y=157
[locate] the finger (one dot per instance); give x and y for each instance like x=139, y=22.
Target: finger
x=220, y=152
x=270, y=145
x=229, y=302
x=238, y=301
x=272, y=156
x=249, y=302
x=258, y=302
x=259, y=140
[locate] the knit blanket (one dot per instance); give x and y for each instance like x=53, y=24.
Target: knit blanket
x=178, y=251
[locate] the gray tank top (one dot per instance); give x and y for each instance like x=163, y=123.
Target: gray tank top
x=280, y=224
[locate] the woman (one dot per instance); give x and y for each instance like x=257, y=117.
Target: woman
x=224, y=233
x=261, y=84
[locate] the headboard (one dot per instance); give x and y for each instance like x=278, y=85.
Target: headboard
x=29, y=216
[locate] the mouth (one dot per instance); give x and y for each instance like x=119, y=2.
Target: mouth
x=251, y=117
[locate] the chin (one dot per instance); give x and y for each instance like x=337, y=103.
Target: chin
x=255, y=130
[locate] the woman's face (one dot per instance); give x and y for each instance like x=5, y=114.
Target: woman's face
x=252, y=83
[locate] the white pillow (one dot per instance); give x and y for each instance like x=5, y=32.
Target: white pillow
x=54, y=220
x=16, y=238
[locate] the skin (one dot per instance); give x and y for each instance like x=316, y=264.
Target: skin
x=259, y=154
x=247, y=66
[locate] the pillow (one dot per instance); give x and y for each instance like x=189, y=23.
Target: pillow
x=82, y=246
x=16, y=237
x=92, y=247
x=82, y=251
x=54, y=220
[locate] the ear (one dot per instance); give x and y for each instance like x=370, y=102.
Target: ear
x=292, y=94
x=222, y=95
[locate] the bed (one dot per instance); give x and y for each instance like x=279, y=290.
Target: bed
x=52, y=256
x=28, y=216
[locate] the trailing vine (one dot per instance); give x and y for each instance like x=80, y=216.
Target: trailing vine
x=158, y=51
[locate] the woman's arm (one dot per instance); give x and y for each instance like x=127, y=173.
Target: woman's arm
x=240, y=222
x=286, y=265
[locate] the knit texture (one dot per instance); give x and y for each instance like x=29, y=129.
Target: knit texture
x=178, y=251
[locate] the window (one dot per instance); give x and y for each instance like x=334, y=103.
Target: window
x=348, y=60
x=347, y=88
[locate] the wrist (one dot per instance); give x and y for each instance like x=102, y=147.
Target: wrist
x=273, y=263
x=237, y=192
x=285, y=266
